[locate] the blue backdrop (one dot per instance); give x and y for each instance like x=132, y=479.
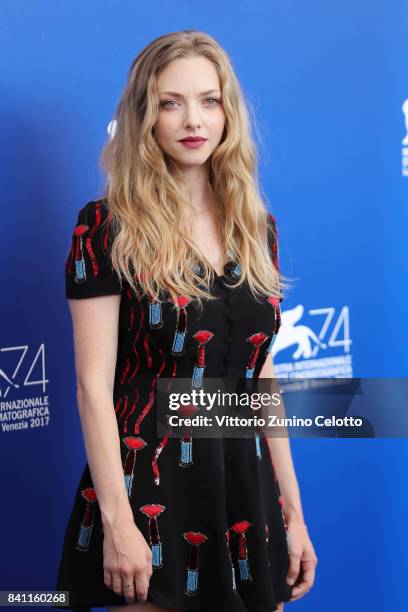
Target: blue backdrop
x=327, y=82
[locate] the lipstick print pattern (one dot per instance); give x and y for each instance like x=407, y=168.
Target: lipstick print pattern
x=85, y=531
x=186, y=442
x=159, y=448
x=195, y=539
x=129, y=375
x=181, y=328
x=80, y=269
x=133, y=444
x=256, y=340
x=157, y=451
x=153, y=511
x=240, y=528
x=155, y=313
x=88, y=265
x=203, y=336
x=150, y=402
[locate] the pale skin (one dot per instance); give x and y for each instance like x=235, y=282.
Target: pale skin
x=127, y=557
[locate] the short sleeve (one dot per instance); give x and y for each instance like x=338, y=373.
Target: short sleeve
x=88, y=269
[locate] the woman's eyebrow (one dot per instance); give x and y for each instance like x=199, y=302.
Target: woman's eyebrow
x=175, y=93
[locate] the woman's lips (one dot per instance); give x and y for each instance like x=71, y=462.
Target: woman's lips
x=193, y=144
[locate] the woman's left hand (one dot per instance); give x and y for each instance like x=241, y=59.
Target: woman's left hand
x=303, y=559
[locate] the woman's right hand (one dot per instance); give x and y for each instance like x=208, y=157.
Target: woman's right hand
x=127, y=559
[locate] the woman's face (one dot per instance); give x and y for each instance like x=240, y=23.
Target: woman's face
x=190, y=106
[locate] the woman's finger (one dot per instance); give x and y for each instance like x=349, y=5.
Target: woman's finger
x=107, y=578
x=142, y=585
x=294, y=567
x=117, y=583
x=129, y=588
x=305, y=585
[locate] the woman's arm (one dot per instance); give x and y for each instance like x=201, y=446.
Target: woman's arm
x=282, y=459
x=95, y=328
x=127, y=556
x=303, y=559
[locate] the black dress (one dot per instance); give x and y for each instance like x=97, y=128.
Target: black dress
x=212, y=510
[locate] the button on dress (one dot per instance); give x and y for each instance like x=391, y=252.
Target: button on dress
x=210, y=509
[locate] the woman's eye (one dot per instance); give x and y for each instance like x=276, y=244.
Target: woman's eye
x=172, y=103
x=166, y=102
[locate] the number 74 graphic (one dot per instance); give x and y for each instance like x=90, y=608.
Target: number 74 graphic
x=7, y=380
x=343, y=322
x=304, y=339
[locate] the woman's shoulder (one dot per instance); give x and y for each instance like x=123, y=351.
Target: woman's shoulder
x=94, y=211
x=88, y=267
x=95, y=222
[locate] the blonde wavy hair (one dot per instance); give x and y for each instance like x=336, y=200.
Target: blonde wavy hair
x=153, y=249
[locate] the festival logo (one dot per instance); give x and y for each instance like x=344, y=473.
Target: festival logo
x=315, y=344
x=20, y=369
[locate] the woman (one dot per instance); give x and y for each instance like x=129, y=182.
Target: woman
x=180, y=259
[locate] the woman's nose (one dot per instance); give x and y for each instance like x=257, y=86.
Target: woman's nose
x=192, y=114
